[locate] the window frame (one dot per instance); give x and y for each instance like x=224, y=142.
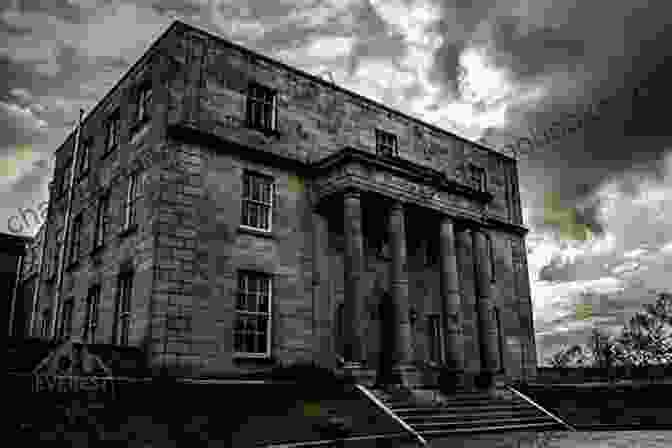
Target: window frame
x=255, y=103
x=112, y=123
x=64, y=181
x=75, y=249
x=67, y=315
x=435, y=330
x=480, y=181
x=500, y=337
x=134, y=195
x=44, y=323
x=102, y=221
x=382, y=146
x=491, y=258
x=92, y=313
x=143, y=103
x=123, y=310
x=245, y=274
x=84, y=158
x=246, y=201
x=56, y=259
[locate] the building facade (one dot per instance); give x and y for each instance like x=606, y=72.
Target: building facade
x=12, y=258
x=230, y=213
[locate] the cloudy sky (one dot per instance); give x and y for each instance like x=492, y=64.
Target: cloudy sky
x=597, y=196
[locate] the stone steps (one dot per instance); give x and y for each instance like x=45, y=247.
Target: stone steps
x=431, y=413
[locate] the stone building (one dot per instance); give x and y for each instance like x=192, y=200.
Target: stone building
x=231, y=213
x=12, y=259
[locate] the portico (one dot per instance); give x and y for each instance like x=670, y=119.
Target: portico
x=353, y=182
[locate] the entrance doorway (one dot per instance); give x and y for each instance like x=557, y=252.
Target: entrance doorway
x=386, y=347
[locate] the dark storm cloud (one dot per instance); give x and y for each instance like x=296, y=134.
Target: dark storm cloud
x=551, y=51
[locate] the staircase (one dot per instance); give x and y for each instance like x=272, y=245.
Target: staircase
x=467, y=412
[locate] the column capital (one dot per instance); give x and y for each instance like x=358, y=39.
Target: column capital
x=352, y=193
x=397, y=205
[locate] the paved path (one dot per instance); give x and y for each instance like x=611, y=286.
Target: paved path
x=561, y=439
x=609, y=439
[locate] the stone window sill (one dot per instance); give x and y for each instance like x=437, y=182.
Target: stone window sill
x=256, y=232
x=253, y=357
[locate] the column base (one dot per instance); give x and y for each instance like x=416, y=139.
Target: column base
x=485, y=381
x=453, y=380
x=406, y=375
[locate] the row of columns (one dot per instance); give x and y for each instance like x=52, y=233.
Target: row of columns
x=399, y=291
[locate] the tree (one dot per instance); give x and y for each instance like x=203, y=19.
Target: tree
x=647, y=338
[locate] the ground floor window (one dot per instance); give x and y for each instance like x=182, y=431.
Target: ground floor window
x=500, y=339
x=435, y=339
x=252, y=329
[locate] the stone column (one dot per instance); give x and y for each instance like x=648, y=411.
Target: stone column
x=486, y=313
x=402, y=370
x=451, y=298
x=353, y=267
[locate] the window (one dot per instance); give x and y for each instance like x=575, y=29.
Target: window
x=66, y=318
x=144, y=103
x=122, y=314
x=252, y=331
x=476, y=177
x=76, y=238
x=102, y=220
x=258, y=194
x=133, y=196
x=64, y=181
x=56, y=257
x=340, y=329
x=83, y=158
x=112, y=132
x=500, y=338
x=434, y=338
x=491, y=257
x=386, y=143
x=44, y=324
x=261, y=107
x=91, y=319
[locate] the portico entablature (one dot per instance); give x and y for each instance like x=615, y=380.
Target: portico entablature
x=403, y=181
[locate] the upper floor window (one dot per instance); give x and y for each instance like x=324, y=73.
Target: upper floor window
x=66, y=318
x=83, y=157
x=252, y=330
x=56, y=257
x=133, y=196
x=476, y=177
x=144, y=103
x=102, y=220
x=386, y=143
x=112, y=131
x=122, y=314
x=76, y=238
x=64, y=180
x=261, y=107
x=258, y=194
x=491, y=257
x=91, y=318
